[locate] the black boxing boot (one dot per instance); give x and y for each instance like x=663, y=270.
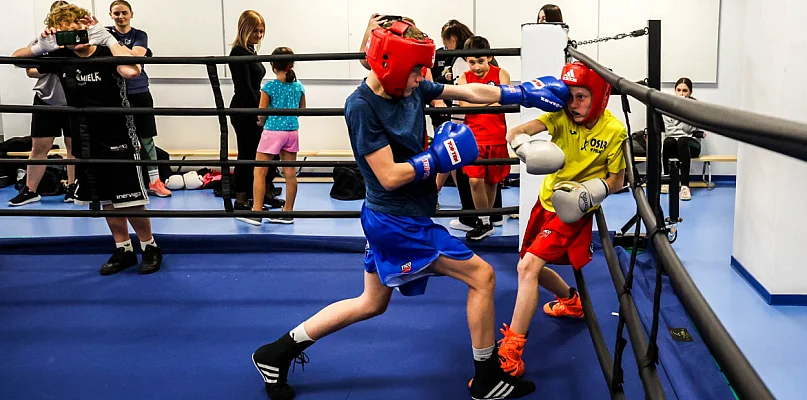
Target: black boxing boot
x=491, y=382
x=273, y=360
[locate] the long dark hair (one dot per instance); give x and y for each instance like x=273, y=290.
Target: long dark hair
x=552, y=13
x=685, y=81
x=458, y=30
x=286, y=66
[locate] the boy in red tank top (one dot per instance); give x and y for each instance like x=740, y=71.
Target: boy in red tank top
x=490, y=131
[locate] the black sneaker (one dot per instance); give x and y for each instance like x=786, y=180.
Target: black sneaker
x=70, y=196
x=281, y=220
x=497, y=220
x=273, y=361
x=152, y=260
x=490, y=382
x=119, y=261
x=274, y=202
x=26, y=196
x=480, y=231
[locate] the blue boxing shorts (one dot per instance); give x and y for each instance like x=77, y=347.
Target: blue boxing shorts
x=401, y=249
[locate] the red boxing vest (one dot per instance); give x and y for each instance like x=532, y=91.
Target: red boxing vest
x=488, y=129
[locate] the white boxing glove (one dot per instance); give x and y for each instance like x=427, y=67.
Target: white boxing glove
x=175, y=182
x=192, y=180
x=542, y=157
x=572, y=200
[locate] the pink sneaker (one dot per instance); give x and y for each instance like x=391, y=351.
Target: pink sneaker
x=158, y=189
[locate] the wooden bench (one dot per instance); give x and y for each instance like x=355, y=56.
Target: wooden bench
x=707, y=168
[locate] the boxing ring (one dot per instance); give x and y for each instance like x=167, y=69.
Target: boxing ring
x=188, y=331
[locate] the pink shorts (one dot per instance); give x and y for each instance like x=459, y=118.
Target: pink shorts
x=274, y=141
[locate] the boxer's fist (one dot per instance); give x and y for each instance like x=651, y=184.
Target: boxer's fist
x=542, y=157
x=453, y=147
x=547, y=93
x=572, y=200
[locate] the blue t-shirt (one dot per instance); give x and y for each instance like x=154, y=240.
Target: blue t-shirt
x=135, y=37
x=283, y=95
x=374, y=122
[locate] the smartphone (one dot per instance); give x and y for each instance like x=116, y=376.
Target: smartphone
x=64, y=38
x=391, y=18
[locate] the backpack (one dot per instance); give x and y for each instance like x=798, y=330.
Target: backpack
x=348, y=184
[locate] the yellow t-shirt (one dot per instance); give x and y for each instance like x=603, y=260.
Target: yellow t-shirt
x=590, y=153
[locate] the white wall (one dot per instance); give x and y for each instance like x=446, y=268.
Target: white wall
x=769, y=220
x=324, y=133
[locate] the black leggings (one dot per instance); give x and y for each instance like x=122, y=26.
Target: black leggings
x=682, y=148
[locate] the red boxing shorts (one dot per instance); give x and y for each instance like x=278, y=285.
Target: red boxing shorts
x=556, y=242
x=492, y=174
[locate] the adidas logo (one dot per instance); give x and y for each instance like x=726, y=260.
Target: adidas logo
x=569, y=76
x=501, y=391
x=270, y=374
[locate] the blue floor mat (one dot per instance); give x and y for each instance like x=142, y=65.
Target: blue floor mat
x=189, y=330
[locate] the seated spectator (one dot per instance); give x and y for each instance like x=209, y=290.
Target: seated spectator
x=681, y=141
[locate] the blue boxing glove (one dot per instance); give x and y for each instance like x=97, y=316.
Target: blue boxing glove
x=453, y=147
x=547, y=93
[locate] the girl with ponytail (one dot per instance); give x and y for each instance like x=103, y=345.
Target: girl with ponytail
x=279, y=133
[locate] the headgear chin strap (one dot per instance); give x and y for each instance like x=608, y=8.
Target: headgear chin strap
x=392, y=57
x=578, y=74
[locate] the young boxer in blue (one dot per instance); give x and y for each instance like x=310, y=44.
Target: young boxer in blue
x=387, y=127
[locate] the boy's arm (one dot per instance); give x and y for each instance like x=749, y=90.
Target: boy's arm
x=615, y=181
x=390, y=174
x=141, y=44
x=476, y=93
x=33, y=73
x=373, y=23
x=529, y=128
x=100, y=36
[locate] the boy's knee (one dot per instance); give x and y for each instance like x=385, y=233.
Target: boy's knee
x=373, y=307
x=530, y=266
x=484, y=277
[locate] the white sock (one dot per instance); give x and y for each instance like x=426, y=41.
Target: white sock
x=154, y=175
x=149, y=243
x=483, y=354
x=127, y=245
x=299, y=334
x=485, y=220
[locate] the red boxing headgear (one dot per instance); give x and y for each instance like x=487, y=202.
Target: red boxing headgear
x=578, y=74
x=392, y=57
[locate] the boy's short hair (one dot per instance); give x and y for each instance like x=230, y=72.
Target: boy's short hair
x=65, y=15
x=477, y=43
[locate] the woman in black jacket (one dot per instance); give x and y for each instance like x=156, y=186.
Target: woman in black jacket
x=247, y=79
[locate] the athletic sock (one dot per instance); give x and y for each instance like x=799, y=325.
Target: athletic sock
x=149, y=243
x=154, y=175
x=127, y=245
x=299, y=334
x=483, y=354
x=485, y=220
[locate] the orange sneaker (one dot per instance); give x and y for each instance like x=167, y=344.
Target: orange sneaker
x=569, y=307
x=158, y=189
x=511, y=347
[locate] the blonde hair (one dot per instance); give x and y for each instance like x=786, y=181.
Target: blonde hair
x=52, y=6
x=65, y=14
x=247, y=23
